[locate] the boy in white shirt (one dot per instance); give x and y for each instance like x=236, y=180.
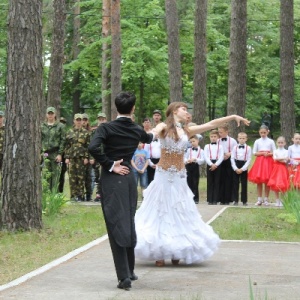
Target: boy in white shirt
x=240, y=161
x=193, y=158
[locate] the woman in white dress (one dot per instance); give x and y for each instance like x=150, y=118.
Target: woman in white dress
x=168, y=224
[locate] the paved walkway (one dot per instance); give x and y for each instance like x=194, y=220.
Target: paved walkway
x=274, y=270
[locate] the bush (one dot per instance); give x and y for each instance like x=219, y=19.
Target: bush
x=291, y=203
x=52, y=201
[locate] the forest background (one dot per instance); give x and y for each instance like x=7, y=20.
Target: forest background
x=145, y=56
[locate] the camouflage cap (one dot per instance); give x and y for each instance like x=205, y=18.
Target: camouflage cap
x=101, y=115
x=63, y=120
x=77, y=116
x=85, y=116
x=1, y=113
x=156, y=112
x=51, y=109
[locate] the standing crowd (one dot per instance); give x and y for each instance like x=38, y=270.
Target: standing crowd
x=67, y=151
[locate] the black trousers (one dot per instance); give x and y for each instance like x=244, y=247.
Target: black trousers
x=240, y=179
x=226, y=182
x=213, y=184
x=193, y=175
x=62, y=176
x=124, y=258
x=151, y=171
x=119, y=203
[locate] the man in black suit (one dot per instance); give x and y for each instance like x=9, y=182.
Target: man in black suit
x=113, y=145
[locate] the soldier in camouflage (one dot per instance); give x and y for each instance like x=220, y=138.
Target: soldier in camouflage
x=53, y=144
x=1, y=137
x=88, y=168
x=77, y=157
x=101, y=118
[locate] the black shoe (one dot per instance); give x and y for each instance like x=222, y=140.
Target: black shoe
x=133, y=277
x=88, y=197
x=124, y=284
x=196, y=202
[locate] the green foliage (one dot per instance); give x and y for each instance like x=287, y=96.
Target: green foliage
x=291, y=203
x=145, y=55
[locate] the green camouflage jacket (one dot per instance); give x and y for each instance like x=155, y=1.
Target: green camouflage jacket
x=53, y=138
x=77, y=142
x=1, y=139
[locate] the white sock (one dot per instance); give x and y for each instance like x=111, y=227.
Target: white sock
x=266, y=199
x=259, y=199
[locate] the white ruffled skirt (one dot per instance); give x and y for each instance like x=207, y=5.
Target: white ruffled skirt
x=168, y=224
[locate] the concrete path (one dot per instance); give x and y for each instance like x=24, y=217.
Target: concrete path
x=273, y=268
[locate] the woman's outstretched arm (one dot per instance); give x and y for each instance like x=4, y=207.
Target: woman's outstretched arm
x=216, y=123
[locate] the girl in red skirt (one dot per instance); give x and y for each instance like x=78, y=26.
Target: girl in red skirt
x=279, y=178
x=294, y=156
x=261, y=170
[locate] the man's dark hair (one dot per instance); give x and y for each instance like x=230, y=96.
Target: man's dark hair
x=124, y=102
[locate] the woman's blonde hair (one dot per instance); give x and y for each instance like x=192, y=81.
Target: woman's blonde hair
x=170, y=130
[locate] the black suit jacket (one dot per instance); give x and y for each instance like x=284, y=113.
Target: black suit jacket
x=114, y=141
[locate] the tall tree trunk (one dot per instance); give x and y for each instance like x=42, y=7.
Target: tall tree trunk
x=237, y=62
x=57, y=56
x=142, y=93
x=173, y=51
x=116, y=85
x=21, y=180
x=106, y=69
x=76, y=51
x=200, y=75
x=287, y=106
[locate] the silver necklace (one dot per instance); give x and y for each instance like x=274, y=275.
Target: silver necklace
x=178, y=124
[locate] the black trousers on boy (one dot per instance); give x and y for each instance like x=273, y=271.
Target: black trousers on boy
x=237, y=180
x=213, y=184
x=193, y=175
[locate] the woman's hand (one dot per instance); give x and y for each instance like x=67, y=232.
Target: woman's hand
x=240, y=119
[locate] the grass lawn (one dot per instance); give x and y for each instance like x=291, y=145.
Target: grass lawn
x=74, y=227
x=257, y=224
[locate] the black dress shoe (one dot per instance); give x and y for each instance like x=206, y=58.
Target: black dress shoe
x=133, y=277
x=124, y=284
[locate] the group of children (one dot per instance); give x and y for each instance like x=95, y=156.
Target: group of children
x=273, y=169
x=227, y=163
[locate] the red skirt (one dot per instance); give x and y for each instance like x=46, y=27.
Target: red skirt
x=279, y=178
x=294, y=173
x=261, y=169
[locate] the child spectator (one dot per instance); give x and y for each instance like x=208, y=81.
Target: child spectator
x=193, y=158
x=240, y=160
x=279, y=178
x=294, y=157
x=261, y=170
x=227, y=143
x=213, y=155
x=139, y=163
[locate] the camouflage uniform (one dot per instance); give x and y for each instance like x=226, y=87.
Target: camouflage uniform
x=88, y=184
x=1, y=145
x=77, y=141
x=53, y=144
